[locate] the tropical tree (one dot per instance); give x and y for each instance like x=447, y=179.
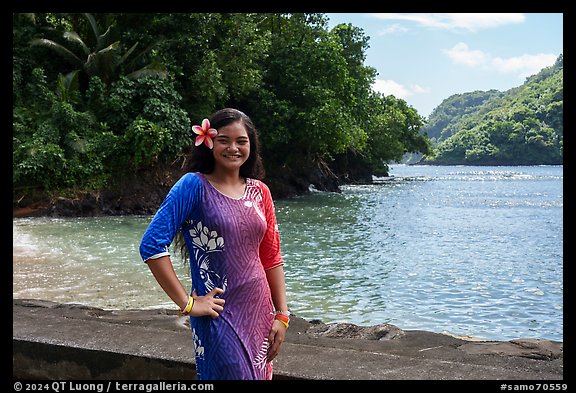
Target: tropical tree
x=104, y=58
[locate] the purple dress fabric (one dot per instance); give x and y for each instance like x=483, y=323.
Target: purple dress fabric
x=231, y=242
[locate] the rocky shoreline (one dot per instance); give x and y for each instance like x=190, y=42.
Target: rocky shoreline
x=142, y=192
x=313, y=350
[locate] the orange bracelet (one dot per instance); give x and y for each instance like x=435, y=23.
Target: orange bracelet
x=283, y=318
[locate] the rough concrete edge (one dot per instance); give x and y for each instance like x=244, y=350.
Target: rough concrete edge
x=35, y=359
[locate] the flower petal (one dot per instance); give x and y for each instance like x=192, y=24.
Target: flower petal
x=198, y=130
x=205, y=124
x=199, y=140
x=197, y=241
x=212, y=132
x=208, y=142
x=211, y=244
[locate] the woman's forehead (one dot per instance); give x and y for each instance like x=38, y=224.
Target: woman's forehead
x=235, y=130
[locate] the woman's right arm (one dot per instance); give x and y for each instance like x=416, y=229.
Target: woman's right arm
x=181, y=200
x=163, y=271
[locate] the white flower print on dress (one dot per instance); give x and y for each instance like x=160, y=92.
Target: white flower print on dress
x=198, y=347
x=260, y=359
x=205, y=242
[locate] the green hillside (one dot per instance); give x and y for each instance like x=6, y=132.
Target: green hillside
x=521, y=126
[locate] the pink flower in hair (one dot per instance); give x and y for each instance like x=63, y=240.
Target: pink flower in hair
x=205, y=134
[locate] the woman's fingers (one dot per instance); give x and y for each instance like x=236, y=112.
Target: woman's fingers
x=208, y=304
x=214, y=292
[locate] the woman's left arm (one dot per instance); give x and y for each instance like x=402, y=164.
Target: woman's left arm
x=277, y=285
x=272, y=261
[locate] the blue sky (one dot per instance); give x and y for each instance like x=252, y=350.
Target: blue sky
x=425, y=58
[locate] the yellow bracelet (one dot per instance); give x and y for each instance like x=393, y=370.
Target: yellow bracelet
x=188, y=307
x=285, y=323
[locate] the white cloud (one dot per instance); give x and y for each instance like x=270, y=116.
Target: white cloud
x=393, y=29
x=522, y=66
x=461, y=54
x=457, y=21
x=474, y=22
x=417, y=89
x=398, y=90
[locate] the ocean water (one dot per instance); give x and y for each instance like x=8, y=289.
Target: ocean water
x=470, y=251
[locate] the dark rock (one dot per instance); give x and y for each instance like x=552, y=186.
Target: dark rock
x=528, y=348
x=349, y=330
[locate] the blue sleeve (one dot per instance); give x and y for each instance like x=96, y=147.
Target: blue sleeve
x=182, y=199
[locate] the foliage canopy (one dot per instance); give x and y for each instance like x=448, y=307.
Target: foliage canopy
x=99, y=96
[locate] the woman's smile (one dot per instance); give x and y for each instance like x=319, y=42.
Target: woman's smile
x=232, y=156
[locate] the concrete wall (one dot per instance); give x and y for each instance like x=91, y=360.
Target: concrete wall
x=54, y=341
x=39, y=360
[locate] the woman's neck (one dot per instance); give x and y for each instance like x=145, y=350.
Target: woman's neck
x=227, y=183
x=221, y=176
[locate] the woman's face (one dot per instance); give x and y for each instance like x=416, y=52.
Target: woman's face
x=231, y=146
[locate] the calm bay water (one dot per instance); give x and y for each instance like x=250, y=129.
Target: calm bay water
x=474, y=251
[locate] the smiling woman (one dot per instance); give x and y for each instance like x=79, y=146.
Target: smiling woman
x=223, y=217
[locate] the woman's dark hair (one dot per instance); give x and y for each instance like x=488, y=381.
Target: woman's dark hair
x=201, y=159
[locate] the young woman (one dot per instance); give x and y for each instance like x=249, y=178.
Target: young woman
x=226, y=221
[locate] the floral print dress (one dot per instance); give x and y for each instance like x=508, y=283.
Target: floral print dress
x=231, y=242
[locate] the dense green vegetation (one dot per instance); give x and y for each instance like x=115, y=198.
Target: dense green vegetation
x=103, y=96
x=521, y=126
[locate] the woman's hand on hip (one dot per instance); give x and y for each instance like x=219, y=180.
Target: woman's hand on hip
x=208, y=304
